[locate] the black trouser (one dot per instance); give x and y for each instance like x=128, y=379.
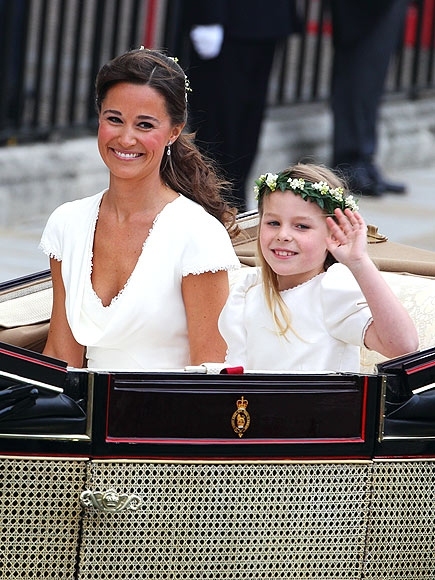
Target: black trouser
x=227, y=106
x=365, y=36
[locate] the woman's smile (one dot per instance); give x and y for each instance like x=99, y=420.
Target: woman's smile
x=125, y=154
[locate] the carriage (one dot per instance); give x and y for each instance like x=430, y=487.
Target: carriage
x=215, y=473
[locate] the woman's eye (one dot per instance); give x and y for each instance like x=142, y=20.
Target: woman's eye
x=145, y=125
x=114, y=119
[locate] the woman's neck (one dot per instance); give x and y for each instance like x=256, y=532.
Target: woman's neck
x=129, y=198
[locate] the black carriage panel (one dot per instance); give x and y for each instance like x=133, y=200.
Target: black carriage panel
x=408, y=427
x=44, y=408
x=249, y=415
x=414, y=370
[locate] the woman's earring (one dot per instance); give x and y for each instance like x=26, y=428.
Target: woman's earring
x=168, y=150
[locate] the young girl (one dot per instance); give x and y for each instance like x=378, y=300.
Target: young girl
x=317, y=297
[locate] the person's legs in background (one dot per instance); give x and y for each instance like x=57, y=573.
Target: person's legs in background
x=227, y=106
x=246, y=65
x=364, y=40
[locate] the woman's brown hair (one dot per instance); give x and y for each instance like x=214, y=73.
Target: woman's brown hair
x=186, y=170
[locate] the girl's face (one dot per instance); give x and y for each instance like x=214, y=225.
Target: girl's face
x=134, y=129
x=292, y=238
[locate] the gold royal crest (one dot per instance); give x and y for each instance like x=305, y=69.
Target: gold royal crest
x=240, y=419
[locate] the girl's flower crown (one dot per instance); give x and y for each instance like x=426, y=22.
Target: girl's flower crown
x=326, y=197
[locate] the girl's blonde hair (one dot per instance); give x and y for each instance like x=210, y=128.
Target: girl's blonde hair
x=280, y=313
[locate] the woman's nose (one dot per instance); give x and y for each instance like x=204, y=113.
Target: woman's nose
x=127, y=137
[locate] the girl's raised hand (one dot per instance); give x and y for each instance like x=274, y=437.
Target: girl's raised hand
x=347, y=241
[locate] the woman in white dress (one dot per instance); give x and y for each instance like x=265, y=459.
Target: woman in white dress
x=140, y=270
x=317, y=297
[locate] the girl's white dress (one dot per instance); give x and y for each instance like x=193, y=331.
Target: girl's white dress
x=328, y=313
x=144, y=327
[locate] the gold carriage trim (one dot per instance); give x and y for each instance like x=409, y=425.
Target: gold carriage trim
x=240, y=419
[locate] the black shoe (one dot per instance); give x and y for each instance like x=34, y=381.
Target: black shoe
x=359, y=181
x=391, y=186
x=367, y=190
x=384, y=185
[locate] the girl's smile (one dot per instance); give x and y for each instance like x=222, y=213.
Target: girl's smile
x=283, y=253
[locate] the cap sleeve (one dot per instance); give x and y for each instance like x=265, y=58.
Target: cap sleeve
x=232, y=319
x=52, y=236
x=208, y=247
x=345, y=308
x=70, y=227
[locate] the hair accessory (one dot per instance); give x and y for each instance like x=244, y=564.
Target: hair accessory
x=187, y=87
x=327, y=198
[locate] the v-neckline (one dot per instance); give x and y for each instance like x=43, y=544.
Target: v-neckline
x=117, y=296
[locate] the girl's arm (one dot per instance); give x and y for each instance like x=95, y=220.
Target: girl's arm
x=60, y=342
x=204, y=297
x=392, y=332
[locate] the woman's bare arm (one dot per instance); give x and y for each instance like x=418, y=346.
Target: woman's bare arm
x=60, y=342
x=204, y=296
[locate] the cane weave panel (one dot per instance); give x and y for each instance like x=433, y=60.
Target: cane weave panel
x=40, y=518
x=401, y=528
x=228, y=522
x=220, y=521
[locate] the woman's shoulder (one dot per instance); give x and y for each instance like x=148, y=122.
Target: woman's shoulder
x=192, y=217
x=81, y=207
x=203, y=243
x=189, y=205
x=71, y=220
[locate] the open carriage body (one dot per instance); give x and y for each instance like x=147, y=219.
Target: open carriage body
x=205, y=474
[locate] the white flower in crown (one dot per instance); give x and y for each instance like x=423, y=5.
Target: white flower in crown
x=322, y=186
x=296, y=183
x=337, y=193
x=271, y=179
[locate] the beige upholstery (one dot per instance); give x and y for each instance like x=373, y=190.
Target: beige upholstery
x=25, y=313
x=417, y=294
